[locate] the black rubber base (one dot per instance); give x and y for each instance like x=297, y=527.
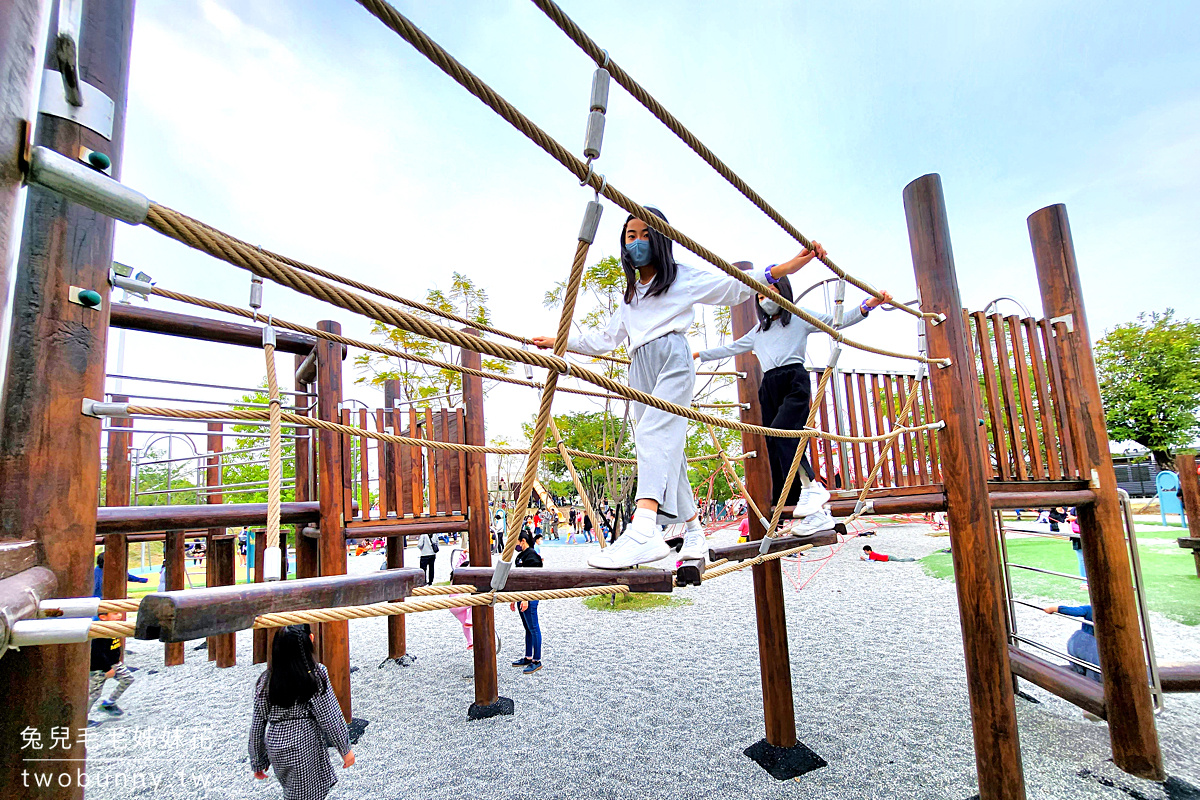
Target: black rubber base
x=782, y=763
x=501, y=708
x=357, y=728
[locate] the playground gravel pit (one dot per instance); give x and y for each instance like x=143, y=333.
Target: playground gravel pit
x=654, y=704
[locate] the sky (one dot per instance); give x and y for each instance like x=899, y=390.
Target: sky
x=309, y=128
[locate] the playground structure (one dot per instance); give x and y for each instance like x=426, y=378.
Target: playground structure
x=1008, y=416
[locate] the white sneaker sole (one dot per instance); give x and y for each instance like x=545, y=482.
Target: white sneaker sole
x=645, y=554
x=812, y=504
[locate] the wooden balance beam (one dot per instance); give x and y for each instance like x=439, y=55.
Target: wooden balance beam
x=522, y=579
x=1059, y=680
x=199, y=613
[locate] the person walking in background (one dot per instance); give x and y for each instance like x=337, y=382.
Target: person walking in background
x=1077, y=544
x=428, y=549
x=532, y=662
x=295, y=714
x=871, y=555
x=106, y=663
x=98, y=576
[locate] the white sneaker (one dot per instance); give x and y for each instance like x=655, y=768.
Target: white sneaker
x=695, y=546
x=811, y=500
x=629, y=552
x=813, y=523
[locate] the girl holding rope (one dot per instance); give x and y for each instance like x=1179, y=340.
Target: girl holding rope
x=779, y=341
x=658, y=309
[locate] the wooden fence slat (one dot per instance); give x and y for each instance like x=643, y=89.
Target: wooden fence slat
x=433, y=478
x=922, y=452
x=398, y=467
x=999, y=445
x=460, y=436
x=909, y=448
x=1021, y=366
x=886, y=470
x=973, y=343
x=347, y=469
x=930, y=417
x=1042, y=390
x=364, y=471
x=826, y=447
x=386, y=494
x=865, y=409
x=1070, y=468
x=417, y=476
x=1004, y=364
x=900, y=470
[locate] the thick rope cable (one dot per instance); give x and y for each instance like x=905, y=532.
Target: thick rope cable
x=586, y=175
x=583, y=496
x=709, y=574
x=104, y=629
x=733, y=477
x=542, y=422
x=602, y=59
x=275, y=448
x=240, y=254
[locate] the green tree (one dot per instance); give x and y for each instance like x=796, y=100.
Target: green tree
x=418, y=380
x=587, y=431
x=252, y=468
x=1149, y=373
x=153, y=481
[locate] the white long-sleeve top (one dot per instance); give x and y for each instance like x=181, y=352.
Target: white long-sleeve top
x=779, y=345
x=673, y=311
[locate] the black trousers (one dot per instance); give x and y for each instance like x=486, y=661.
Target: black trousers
x=784, y=397
x=427, y=565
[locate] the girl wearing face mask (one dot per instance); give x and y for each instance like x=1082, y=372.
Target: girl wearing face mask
x=779, y=341
x=660, y=295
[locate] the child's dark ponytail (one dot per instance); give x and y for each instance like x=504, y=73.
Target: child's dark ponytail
x=293, y=676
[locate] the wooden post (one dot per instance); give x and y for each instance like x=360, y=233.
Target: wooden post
x=260, y=648
x=1101, y=530
x=335, y=636
x=774, y=662
x=49, y=469
x=220, y=560
x=397, y=643
x=176, y=564
x=488, y=701
x=115, y=583
x=973, y=546
x=1185, y=468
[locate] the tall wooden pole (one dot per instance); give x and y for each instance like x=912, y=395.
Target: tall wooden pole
x=483, y=618
x=1127, y=699
x=1185, y=467
x=115, y=583
x=49, y=467
x=307, y=552
x=335, y=636
x=219, y=563
x=397, y=643
x=973, y=545
x=773, y=659
x=20, y=27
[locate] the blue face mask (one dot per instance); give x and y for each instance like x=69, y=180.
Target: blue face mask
x=639, y=252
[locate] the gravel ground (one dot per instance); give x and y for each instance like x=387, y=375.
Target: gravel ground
x=656, y=704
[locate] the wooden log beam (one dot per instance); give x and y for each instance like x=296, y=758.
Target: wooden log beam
x=928, y=502
x=154, y=519
x=1131, y=724
x=414, y=527
x=55, y=352
x=1180, y=677
x=775, y=667
x=17, y=556
x=690, y=573
x=973, y=543
x=332, y=495
x=1058, y=680
x=196, y=613
x=169, y=323
x=741, y=552
x=176, y=580
x=1189, y=482
x=20, y=594
x=529, y=579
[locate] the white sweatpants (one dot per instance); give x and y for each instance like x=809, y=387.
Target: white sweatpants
x=663, y=367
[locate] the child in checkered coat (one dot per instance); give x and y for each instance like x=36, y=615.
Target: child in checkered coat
x=295, y=714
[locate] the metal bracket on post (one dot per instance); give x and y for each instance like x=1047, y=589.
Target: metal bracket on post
x=95, y=408
x=500, y=575
x=84, y=185
x=1066, y=319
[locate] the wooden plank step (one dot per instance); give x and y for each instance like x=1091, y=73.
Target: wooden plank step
x=522, y=579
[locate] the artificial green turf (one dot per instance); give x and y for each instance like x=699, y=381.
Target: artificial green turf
x=642, y=601
x=1169, y=572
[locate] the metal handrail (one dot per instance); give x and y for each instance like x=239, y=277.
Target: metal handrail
x=206, y=385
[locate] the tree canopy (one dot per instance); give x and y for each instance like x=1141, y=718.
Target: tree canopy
x=1149, y=373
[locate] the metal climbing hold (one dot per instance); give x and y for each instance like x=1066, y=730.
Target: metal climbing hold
x=99, y=160
x=600, y=90
x=595, y=135
x=90, y=298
